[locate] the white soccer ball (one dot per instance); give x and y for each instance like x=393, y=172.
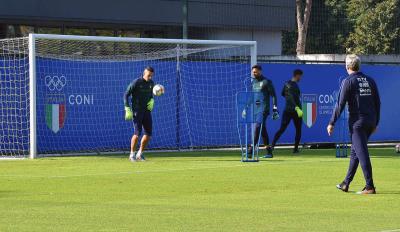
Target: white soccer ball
x=398, y=148
x=158, y=90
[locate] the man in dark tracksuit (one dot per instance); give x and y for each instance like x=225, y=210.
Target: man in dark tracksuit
x=265, y=86
x=141, y=93
x=361, y=94
x=291, y=93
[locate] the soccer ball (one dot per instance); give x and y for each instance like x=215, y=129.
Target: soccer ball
x=158, y=90
x=398, y=148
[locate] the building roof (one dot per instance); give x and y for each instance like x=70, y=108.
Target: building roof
x=256, y=14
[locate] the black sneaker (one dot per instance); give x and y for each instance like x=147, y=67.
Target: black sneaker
x=270, y=150
x=343, y=186
x=269, y=154
x=296, y=151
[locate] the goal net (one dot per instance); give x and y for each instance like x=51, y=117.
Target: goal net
x=64, y=94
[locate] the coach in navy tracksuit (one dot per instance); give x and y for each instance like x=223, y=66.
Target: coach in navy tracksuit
x=361, y=94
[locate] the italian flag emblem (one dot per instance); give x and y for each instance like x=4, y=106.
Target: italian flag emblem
x=55, y=116
x=309, y=108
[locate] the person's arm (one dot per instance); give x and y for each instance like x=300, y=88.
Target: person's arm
x=297, y=98
x=272, y=93
x=249, y=100
x=343, y=98
x=128, y=93
x=283, y=91
x=150, y=103
x=153, y=84
x=290, y=98
x=377, y=101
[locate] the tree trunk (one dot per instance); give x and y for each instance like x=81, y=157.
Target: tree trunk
x=302, y=24
x=301, y=41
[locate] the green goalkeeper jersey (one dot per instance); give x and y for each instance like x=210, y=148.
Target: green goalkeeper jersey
x=141, y=92
x=262, y=84
x=291, y=93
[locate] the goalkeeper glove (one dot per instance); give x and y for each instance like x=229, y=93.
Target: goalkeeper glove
x=299, y=111
x=275, y=113
x=150, y=104
x=244, y=113
x=128, y=113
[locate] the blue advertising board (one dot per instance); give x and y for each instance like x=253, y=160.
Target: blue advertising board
x=80, y=103
x=320, y=85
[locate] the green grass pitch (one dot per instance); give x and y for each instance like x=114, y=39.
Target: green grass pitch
x=197, y=191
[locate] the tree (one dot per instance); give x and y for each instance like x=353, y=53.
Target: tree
x=375, y=26
x=337, y=26
x=303, y=17
x=344, y=26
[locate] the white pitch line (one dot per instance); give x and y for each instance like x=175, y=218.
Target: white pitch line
x=12, y=158
x=395, y=230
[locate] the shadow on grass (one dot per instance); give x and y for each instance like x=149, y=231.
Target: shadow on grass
x=214, y=156
x=7, y=193
x=185, y=154
x=235, y=155
x=236, y=160
x=388, y=192
x=385, y=156
x=377, y=192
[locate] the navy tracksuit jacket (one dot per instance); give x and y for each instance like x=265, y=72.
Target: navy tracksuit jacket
x=361, y=94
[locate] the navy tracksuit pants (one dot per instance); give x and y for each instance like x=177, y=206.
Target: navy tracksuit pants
x=286, y=118
x=264, y=134
x=360, y=133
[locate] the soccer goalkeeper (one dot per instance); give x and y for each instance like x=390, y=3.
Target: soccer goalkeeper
x=264, y=85
x=141, y=93
x=293, y=111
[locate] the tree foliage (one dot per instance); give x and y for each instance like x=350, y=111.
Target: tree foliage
x=350, y=26
x=374, y=26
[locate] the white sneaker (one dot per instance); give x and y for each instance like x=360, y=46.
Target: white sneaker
x=139, y=156
x=132, y=157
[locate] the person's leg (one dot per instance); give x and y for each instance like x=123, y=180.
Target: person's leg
x=359, y=140
x=297, y=124
x=352, y=167
x=148, y=130
x=284, y=123
x=137, y=125
x=134, y=141
x=265, y=137
x=143, y=143
x=259, y=128
x=264, y=134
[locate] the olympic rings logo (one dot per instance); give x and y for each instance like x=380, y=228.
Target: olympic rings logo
x=55, y=82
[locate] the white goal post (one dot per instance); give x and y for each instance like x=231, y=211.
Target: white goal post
x=83, y=68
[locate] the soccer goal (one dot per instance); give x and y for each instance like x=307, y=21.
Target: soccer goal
x=64, y=94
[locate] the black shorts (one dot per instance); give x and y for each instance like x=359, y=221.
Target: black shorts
x=143, y=120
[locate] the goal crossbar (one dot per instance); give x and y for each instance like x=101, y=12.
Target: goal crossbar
x=141, y=40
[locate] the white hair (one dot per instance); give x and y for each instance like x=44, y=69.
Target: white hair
x=353, y=62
